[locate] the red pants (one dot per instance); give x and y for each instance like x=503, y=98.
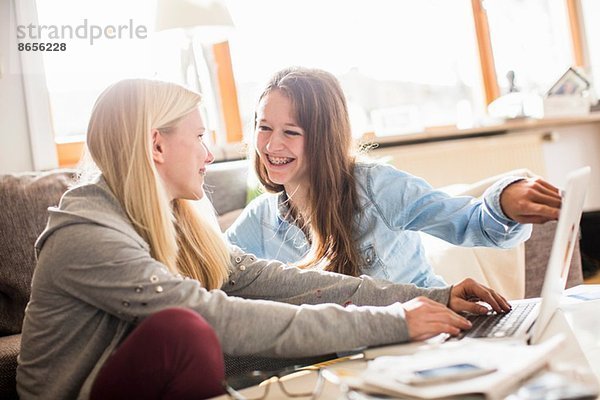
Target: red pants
x=173, y=354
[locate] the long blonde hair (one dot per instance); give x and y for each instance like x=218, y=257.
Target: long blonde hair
x=119, y=140
x=320, y=110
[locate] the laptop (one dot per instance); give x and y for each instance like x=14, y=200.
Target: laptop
x=529, y=317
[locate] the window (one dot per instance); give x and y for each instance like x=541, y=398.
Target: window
x=591, y=16
x=530, y=38
x=403, y=64
x=77, y=76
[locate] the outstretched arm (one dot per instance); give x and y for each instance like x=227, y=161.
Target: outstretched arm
x=406, y=202
x=110, y=276
x=254, y=278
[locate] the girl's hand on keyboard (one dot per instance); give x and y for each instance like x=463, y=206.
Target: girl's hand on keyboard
x=465, y=294
x=426, y=318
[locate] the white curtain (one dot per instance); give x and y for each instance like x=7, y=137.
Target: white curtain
x=37, y=102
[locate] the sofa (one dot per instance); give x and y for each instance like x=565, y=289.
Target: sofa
x=24, y=199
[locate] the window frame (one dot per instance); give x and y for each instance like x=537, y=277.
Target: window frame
x=70, y=152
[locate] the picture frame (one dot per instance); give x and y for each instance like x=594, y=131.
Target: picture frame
x=571, y=82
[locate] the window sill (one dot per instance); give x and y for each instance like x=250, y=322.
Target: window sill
x=70, y=151
x=435, y=134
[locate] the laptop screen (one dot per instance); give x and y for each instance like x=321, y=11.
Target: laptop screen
x=565, y=238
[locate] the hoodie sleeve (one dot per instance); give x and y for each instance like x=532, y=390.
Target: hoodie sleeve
x=111, y=272
x=263, y=279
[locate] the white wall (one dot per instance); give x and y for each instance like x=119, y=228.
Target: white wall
x=466, y=160
x=15, y=153
x=574, y=147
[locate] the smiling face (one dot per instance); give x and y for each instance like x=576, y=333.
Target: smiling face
x=181, y=156
x=279, y=141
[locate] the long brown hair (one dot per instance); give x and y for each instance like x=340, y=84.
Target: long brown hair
x=320, y=110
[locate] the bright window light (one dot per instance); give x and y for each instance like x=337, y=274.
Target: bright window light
x=78, y=75
x=591, y=16
x=532, y=39
x=395, y=59
x=404, y=65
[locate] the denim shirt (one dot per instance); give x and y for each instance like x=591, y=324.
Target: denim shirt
x=394, y=207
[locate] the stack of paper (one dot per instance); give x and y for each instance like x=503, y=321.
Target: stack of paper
x=512, y=361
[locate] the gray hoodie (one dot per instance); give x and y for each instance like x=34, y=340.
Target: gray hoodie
x=95, y=280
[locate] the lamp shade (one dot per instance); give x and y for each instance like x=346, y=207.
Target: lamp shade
x=173, y=14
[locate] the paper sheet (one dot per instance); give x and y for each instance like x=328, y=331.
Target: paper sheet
x=514, y=361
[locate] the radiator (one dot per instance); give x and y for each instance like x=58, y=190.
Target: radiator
x=466, y=160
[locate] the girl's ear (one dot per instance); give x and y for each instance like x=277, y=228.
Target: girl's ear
x=157, y=143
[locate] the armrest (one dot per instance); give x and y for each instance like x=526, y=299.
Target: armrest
x=537, y=253
x=9, y=349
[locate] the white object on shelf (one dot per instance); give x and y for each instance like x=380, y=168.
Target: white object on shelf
x=396, y=120
x=566, y=105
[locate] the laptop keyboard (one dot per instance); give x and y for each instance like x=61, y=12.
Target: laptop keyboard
x=498, y=325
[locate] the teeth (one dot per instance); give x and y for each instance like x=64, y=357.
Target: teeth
x=280, y=160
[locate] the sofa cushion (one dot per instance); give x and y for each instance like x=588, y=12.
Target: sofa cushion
x=537, y=255
x=9, y=349
x=25, y=199
x=227, y=219
x=226, y=185
x=503, y=270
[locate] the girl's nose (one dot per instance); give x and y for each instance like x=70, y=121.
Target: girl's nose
x=209, y=155
x=275, y=142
